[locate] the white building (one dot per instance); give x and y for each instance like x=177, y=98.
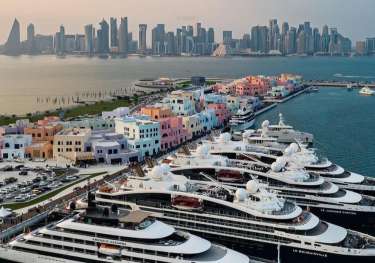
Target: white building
x=14, y=146
x=120, y=112
x=142, y=133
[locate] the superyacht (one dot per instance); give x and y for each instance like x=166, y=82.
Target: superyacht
x=266, y=149
x=244, y=119
x=287, y=134
x=252, y=220
x=106, y=234
x=308, y=190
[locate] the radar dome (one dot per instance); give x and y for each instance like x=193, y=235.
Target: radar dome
x=265, y=124
x=281, y=161
x=165, y=168
x=252, y=187
x=294, y=147
x=157, y=172
x=288, y=151
x=225, y=137
x=276, y=167
x=203, y=150
x=241, y=194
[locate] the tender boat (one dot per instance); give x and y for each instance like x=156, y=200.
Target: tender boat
x=366, y=91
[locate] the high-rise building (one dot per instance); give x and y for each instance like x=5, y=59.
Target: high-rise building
x=60, y=41
x=158, y=39
x=301, y=43
x=259, y=39
x=103, y=37
x=89, y=39
x=211, y=35
x=317, y=40
x=142, y=39
x=370, y=46
x=114, y=37
x=360, y=48
x=227, y=37
x=178, y=41
x=169, y=44
x=325, y=39
x=291, y=39
x=123, y=35
x=273, y=35
x=30, y=42
x=13, y=44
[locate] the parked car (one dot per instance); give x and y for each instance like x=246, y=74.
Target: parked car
x=23, y=173
x=20, y=198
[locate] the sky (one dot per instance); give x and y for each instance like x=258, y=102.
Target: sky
x=353, y=18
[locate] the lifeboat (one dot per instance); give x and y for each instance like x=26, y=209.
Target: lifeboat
x=187, y=203
x=105, y=189
x=230, y=176
x=110, y=250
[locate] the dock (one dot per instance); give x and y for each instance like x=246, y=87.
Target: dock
x=339, y=84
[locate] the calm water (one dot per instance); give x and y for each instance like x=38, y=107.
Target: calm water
x=342, y=122
x=24, y=78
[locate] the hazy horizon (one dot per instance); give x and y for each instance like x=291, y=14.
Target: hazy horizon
x=353, y=18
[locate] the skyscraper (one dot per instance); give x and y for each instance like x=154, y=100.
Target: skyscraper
x=60, y=41
x=325, y=39
x=13, y=44
x=114, y=39
x=169, y=44
x=259, y=39
x=317, y=40
x=227, y=37
x=142, y=37
x=290, y=41
x=103, y=37
x=178, y=42
x=158, y=36
x=273, y=35
x=30, y=42
x=89, y=39
x=123, y=37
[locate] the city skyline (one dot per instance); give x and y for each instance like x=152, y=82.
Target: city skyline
x=239, y=17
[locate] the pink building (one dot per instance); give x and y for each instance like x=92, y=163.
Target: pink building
x=172, y=132
x=253, y=86
x=221, y=111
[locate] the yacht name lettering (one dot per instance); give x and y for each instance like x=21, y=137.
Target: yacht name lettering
x=108, y=241
x=338, y=211
x=309, y=253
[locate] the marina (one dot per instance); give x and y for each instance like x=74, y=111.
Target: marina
x=258, y=189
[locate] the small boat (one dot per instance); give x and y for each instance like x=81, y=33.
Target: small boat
x=349, y=87
x=314, y=89
x=229, y=176
x=187, y=203
x=366, y=91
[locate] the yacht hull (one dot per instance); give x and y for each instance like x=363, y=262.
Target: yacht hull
x=356, y=220
x=282, y=253
x=244, y=126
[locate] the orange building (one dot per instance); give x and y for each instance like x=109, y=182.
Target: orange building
x=156, y=112
x=42, y=134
